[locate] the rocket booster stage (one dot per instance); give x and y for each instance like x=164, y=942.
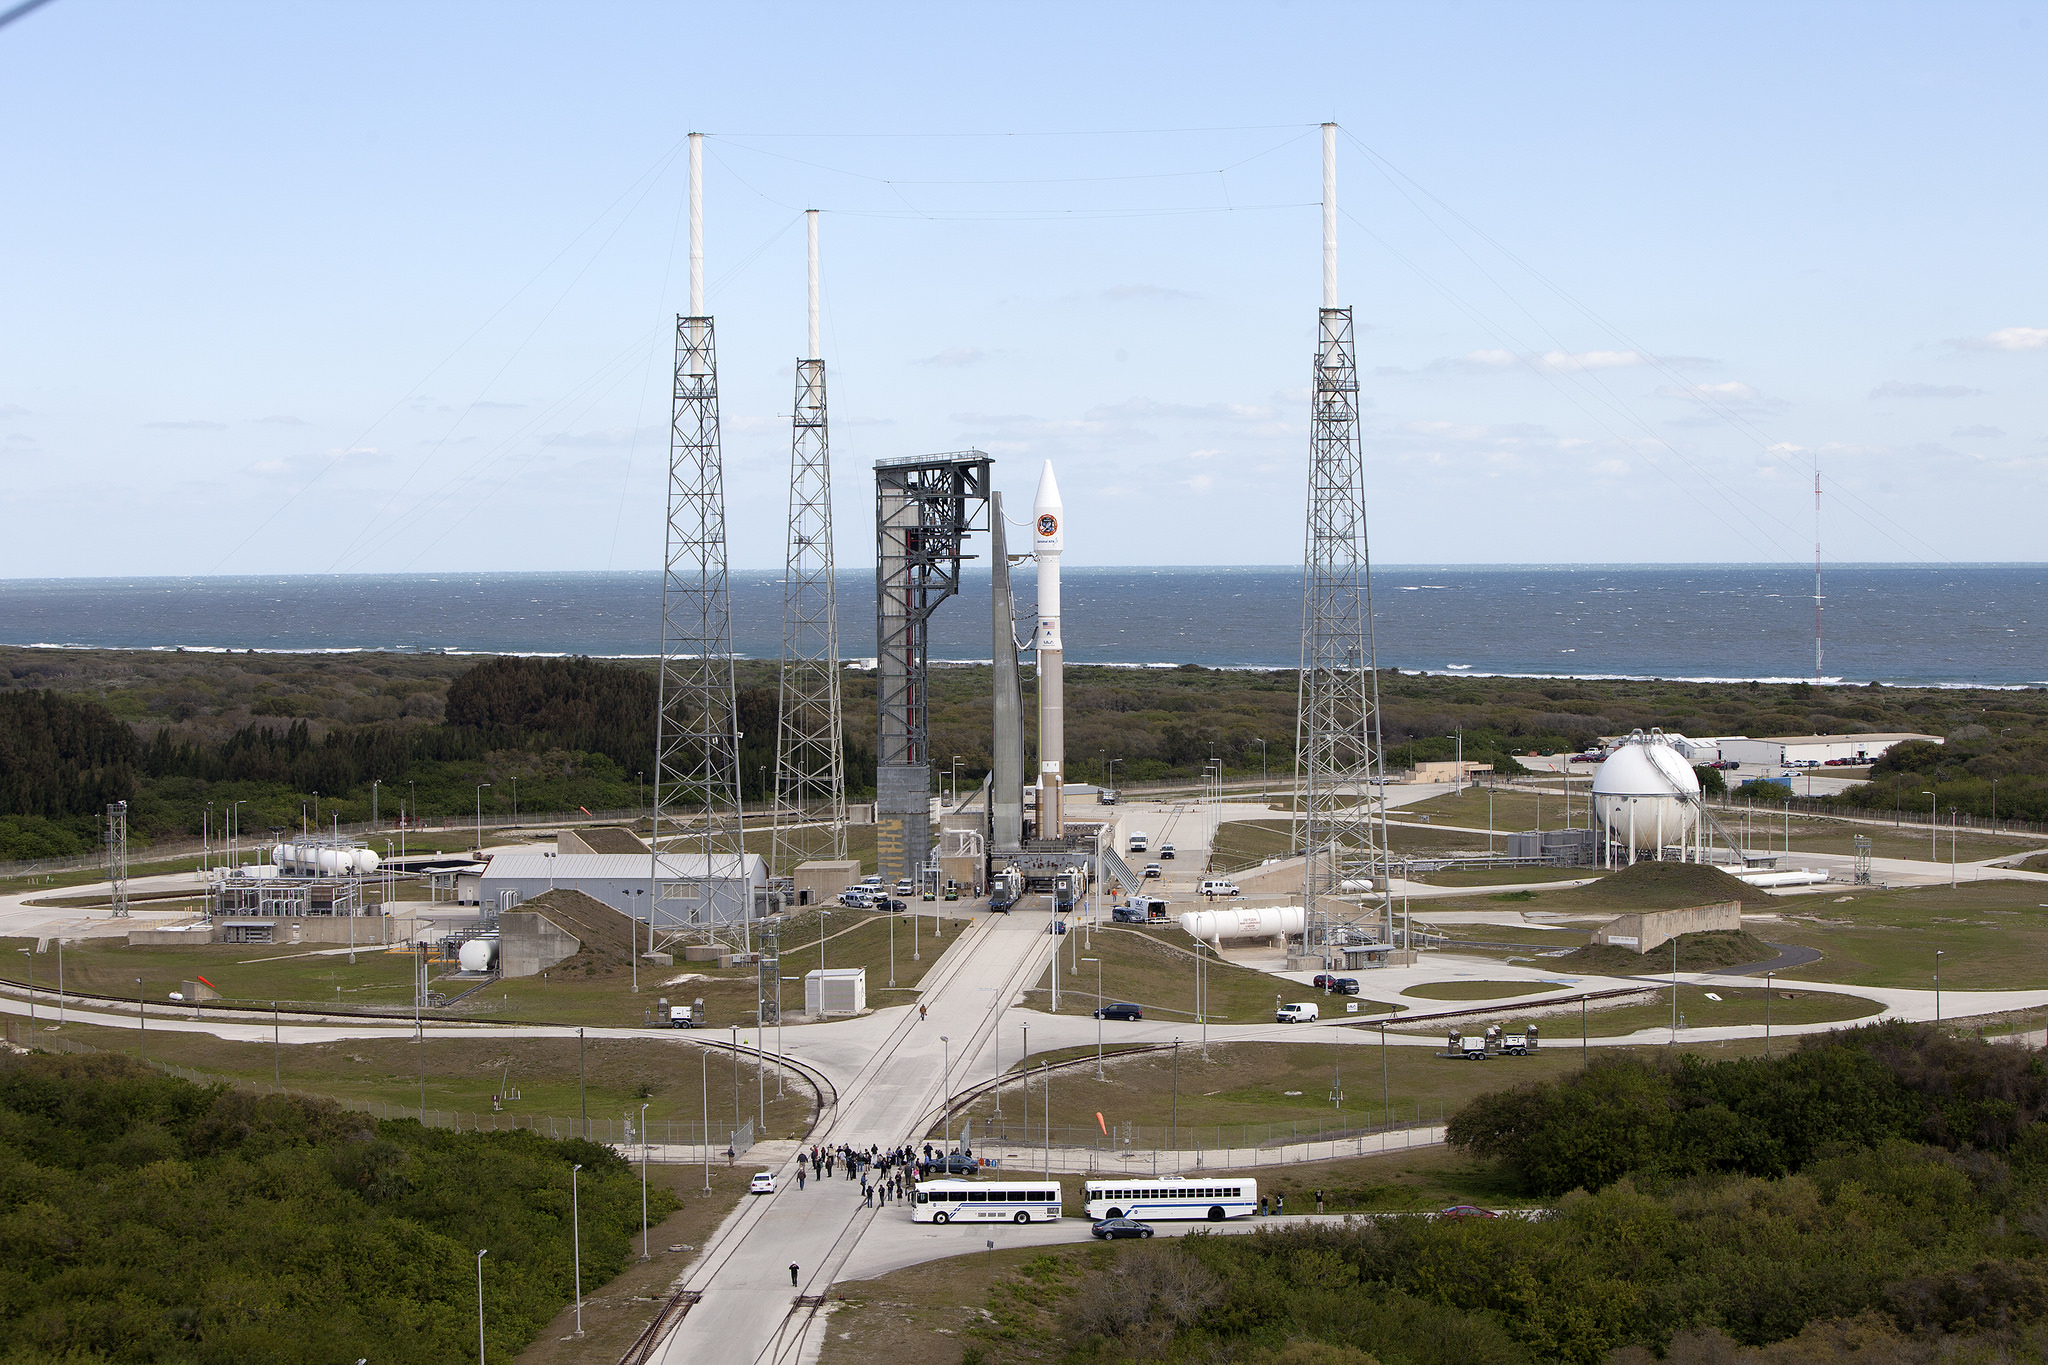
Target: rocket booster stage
x=1047, y=516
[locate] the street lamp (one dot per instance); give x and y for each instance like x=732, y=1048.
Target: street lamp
x=1933, y=829
x=480, y=1305
x=946, y=1084
x=1937, y=985
x=576, y=1235
x=956, y=782
x=480, y=815
x=142, y=1015
x=1176, y=1095
x=1265, y=797
x=643, y=1175
x=1951, y=848
x=1098, y=1014
x=1768, y=977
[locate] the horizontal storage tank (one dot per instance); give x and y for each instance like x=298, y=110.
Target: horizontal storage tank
x=1355, y=886
x=1790, y=878
x=478, y=955
x=1217, y=925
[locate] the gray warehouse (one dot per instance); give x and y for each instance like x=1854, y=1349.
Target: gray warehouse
x=690, y=889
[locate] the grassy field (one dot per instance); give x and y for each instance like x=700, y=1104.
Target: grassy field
x=247, y=973
x=1743, y=1006
x=1992, y=935
x=464, y=1074
x=1513, y=808
x=1257, y=1084
x=1479, y=990
x=1247, y=843
x=1155, y=968
x=1509, y=876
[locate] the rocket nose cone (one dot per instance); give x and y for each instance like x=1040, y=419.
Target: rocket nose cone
x=1048, y=499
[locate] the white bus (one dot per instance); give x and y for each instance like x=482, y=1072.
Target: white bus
x=986, y=1201
x=1214, y=1198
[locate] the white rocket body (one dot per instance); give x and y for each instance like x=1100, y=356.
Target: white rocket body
x=1048, y=537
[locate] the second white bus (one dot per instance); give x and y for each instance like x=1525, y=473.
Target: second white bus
x=986, y=1201
x=1178, y=1198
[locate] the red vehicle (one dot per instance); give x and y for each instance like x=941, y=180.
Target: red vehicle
x=1467, y=1211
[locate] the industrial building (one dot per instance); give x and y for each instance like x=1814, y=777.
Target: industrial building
x=689, y=889
x=1805, y=750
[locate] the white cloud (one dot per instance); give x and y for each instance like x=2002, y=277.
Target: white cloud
x=12, y=410
x=955, y=358
x=282, y=420
x=1978, y=433
x=1894, y=388
x=194, y=424
x=1499, y=361
x=481, y=406
x=1143, y=409
x=2005, y=339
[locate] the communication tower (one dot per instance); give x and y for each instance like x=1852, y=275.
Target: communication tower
x=810, y=769
x=117, y=857
x=696, y=746
x=1337, y=739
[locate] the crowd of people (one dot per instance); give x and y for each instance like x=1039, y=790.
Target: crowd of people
x=884, y=1174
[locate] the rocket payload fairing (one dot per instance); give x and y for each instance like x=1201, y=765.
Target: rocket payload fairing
x=1047, y=532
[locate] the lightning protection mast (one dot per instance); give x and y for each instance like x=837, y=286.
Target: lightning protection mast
x=696, y=745
x=810, y=769
x=1337, y=739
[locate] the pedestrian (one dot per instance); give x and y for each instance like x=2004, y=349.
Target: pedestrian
x=792, y=1274
x=920, y=1013
x=1280, y=1206
x=1319, y=1201
x=1262, y=1206
x=799, y=1176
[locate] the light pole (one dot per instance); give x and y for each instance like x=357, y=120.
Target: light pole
x=30, y=954
x=1098, y=1014
x=1937, y=985
x=704, y=1098
x=823, y=914
x=643, y=1176
x=1933, y=830
x=1489, y=817
x=480, y=1305
x=480, y=815
x=1176, y=1095
x=1768, y=978
x=633, y=926
x=946, y=1084
x=515, y=799
x=142, y=1015
x=576, y=1243
x=956, y=782
x=1951, y=848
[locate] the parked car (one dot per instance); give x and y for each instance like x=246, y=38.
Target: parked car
x=1166, y=850
x=1110, y=1228
x=1324, y=982
x=1058, y=926
x=1216, y=886
x=1154, y=870
x=1467, y=1211
x=762, y=1183
x=955, y=1163
x=1119, y=1009
x=905, y=886
x=888, y=903
x=1345, y=985
x=1302, y=1012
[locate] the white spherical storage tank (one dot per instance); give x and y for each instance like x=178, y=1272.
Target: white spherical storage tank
x=1646, y=796
x=1217, y=925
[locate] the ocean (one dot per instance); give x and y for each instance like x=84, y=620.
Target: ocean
x=1952, y=625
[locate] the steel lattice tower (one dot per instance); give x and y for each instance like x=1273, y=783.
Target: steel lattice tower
x=810, y=769
x=1337, y=740
x=696, y=746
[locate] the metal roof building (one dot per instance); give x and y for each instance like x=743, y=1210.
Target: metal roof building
x=1782, y=749
x=686, y=888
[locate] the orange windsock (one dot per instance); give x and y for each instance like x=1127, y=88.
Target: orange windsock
x=204, y=982
x=1100, y=1124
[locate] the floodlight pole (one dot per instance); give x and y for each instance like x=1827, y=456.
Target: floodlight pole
x=1937, y=985
x=1767, y=1014
x=480, y=845
x=480, y=1305
x=576, y=1234
x=1098, y=1014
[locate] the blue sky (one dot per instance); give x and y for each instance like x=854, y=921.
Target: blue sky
x=362, y=287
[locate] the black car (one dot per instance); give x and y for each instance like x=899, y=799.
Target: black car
x=1121, y=1227
x=1345, y=985
x=891, y=905
x=1120, y=1009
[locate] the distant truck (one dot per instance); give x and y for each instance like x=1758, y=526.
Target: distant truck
x=686, y=1016
x=1005, y=889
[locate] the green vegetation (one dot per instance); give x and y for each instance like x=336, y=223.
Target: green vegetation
x=1735, y=1005
x=151, y=1219
x=1695, y=953
x=1991, y=935
x=1480, y=990
x=1155, y=968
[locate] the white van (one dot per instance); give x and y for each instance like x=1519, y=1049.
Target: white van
x=1140, y=841
x=1303, y=1013
x=1216, y=886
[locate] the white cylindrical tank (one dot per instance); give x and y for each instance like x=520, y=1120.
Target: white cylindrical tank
x=1787, y=878
x=1217, y=925
x=280, y=856
x=366, y=862
x=478, y=955
x=1355, y=886
x=1646, y=796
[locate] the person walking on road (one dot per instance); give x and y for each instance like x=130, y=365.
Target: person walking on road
x=921, y=1013
x=792, y=1274
x=799, y=1175
x=1319, y=1201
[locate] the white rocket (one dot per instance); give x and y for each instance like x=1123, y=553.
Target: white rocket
x=1047, y=539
